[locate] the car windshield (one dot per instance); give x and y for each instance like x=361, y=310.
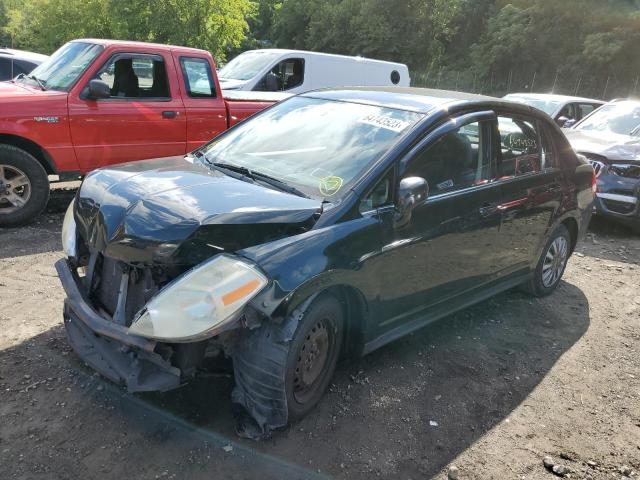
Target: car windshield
x=547, y=106
x=316, y=146
x=622, y=118
x=247, y=65
x=62, y=69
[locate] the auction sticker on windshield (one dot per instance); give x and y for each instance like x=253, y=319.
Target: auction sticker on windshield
x=330, y=185
x=382, y=121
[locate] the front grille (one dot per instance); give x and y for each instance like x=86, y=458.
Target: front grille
x=619, y=207
x=119, y=290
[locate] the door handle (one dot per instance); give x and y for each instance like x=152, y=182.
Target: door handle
x=169, y=114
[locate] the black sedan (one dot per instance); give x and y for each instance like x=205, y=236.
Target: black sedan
x=329, y=224
x=610, y=139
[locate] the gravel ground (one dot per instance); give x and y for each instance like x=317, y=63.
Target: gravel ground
x=486, y=393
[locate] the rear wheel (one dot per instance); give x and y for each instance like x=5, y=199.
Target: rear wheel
x=24, y=187
x=551, y=264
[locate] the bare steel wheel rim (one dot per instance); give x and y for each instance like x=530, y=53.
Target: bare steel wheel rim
x=312, y=360
x=554, y=261
x=15, y=189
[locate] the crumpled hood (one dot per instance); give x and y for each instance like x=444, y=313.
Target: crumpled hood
x=609, y=145
x=173, y=211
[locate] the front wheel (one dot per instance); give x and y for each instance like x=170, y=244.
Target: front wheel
x=551, y=264
x=24, y=187
x=282, y=370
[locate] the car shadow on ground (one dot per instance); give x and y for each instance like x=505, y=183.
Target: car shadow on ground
x=610, y=241
x=406, y=410
x=413, y=406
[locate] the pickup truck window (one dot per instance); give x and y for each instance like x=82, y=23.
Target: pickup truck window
x=198, y=77
x=64, y=67
x=136, y=76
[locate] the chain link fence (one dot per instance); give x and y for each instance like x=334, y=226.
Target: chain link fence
x=605, y=87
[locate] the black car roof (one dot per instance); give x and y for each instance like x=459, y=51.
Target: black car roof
x=420, y=100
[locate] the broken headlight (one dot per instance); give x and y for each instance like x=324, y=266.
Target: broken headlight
x=201, y=302
x=69, y=232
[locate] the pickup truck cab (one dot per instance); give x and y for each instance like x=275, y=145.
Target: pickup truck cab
x=100, y=102
x=297, y=71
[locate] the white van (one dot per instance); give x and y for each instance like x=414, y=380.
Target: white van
x=295, y=71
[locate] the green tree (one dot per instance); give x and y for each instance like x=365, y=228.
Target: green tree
x=215, y=25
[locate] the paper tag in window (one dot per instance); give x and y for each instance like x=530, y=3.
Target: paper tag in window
x=387, y=123
x=330, y=185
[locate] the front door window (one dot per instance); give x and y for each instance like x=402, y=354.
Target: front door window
x=286, y=75
x=457, y=160
x=136, y=77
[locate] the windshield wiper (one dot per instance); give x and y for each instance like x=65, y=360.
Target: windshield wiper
x=278, y=184
x=253, y=175
x=37, y=80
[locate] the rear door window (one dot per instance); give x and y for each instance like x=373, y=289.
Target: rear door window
x=198, y=78
x=520, y=149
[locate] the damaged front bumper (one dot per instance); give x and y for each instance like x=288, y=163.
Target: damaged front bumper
x=108, y=347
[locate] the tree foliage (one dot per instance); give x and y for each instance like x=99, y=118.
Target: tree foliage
x=575, y=46
x=44, y=25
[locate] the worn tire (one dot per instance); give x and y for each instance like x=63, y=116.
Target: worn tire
x=536, y=285
x=25, y=162
x=265, y=361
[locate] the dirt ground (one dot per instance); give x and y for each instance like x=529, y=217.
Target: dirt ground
x=491, y=390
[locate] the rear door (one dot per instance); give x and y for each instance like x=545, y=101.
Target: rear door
x=532, y=189
x=449, y=247
x=206, y=113
x=143, y=118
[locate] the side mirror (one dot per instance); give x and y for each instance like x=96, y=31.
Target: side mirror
x=98, y=89
x=271, y=82
x=413, y=191
x=564, y=122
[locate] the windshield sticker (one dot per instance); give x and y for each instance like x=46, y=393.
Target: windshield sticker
x=387, y=123
x=330, y=185
x=444, y=185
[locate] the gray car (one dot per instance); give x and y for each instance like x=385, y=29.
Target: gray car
x=610, y=139
x=564, y=109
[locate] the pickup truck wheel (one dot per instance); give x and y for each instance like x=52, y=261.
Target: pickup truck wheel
x=24, y=187
x=551, y=264
x=282, y=370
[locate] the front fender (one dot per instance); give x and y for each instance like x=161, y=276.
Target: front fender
x=305, y=264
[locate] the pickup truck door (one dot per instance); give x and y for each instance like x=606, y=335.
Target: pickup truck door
x=143, y=118
x=205, y=108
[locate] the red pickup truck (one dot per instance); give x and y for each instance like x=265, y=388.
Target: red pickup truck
x=100, y=102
